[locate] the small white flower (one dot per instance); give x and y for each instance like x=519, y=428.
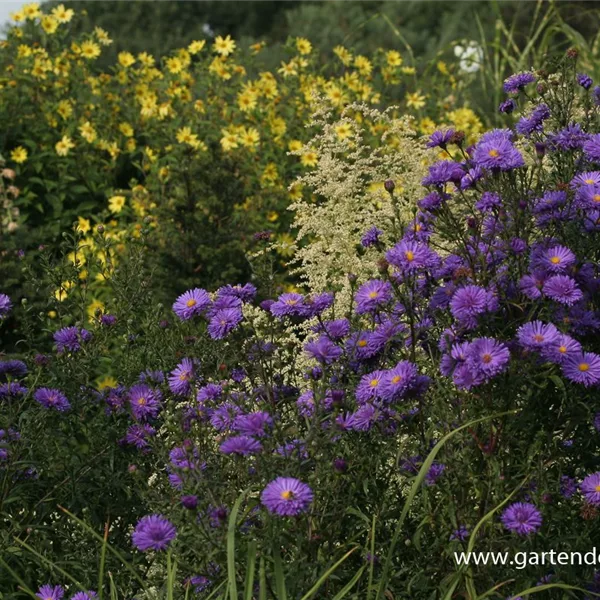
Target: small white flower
x=470, y=56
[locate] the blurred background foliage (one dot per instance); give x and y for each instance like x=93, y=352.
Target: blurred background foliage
x=427, y=27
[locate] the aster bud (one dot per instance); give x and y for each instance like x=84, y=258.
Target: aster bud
x=457, y=138
x=540, y=149
x=383, y=266
x=340, y=465
x=572, y=53
x=100, y=229
x=389, y=186
x=541, y=88
x=132, y=468
x=352, y=278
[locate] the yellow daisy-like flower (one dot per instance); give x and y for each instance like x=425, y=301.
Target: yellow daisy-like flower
x=106, y=381
x=343, y=130
x=363, y=64
x=185, y=136
x=94, y=305
x=415, y=100
x=65, y=109
x=62, y=14
x=393, y=58
x=87, y=131
x=63, y=291
x=102, y=36
x=246, y=101
x=343, y=54
x=126, y=59
x=229, y=141
x=62, y=148
x=32, y=11
x=408, y=70
x=295, y=145
x=146, y=59
x=174, y=64
x=126, y=129
x=303, y=46
x=199, y=107
x=224, y=46
x=288, y=69
x=116, y=204
x=89, y=50
x=309, y=159
x=196, y=46
x=249, y=137
x=49, y=24
x=17, y=17
x=83, y=225
x=19, y=155
x=272, y=216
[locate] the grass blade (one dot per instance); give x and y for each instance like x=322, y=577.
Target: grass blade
x=250, y=568
x=313, y=590
x=231, y=574
x=279, y=577
x=342, y=593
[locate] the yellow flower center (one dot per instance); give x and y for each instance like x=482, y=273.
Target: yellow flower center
x=191, y=302
x=598, y=488
x=410, y=255
x=291, y=302
x=362, y=343
x=396, y=379
x=589, y=181
x=494, y=153
x=583, y=367
x=538, y=337
x=486, y=358
x=555, y=260
x=562, y=349
x=142, y=401
x=287, y=494
x=374, y=382
x=183, y=377
x=596, y=197
x=373, y=295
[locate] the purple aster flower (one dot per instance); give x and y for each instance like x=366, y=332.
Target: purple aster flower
x=224, y=302
x=398, y=381
x=517, y=82
x=561, y=348
x=108, y=320
x=51, y=398
x=558, y=259
x=181, y=377
x=532, y=285
x=242, y=445
x=432, y=201
x=371, y=237
x=582, y=368
x=369, y=387
x=471, y=301
x=12, y=390
x=323, y=350
x=507, y=107
x=50, y=592
x=435, y=472
x=488, y=201
x=536, y=335
x=410, y=257
x=440, y=138
x=590, y=488
x=585, y=81
x=89, y=595
x=223, y=322
x=588, y=197
x=255, y=423
x=591, y=148
x=527, y=125
x=190, y=502
x=571, y=137
x=186, y=457
x=317, y=303
x=5, y=305
x=568, y=486
x=138, y=435
x=210, y=391
x=588, y=178
x=153, y=532
x=372, y=295
x=496, y=151
x=245, y=293
x=460, y=534
x=336, y=330
x=444, y=171
x=363, y=419
x=222, y=418
x=488, y=357
x=562, y=289
x=287, y=497
x=522, y=517
x=290, y=304
x=295, y=448
x=144, y=402
x=191, y=303
x=67, y=338
x=16, y=368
